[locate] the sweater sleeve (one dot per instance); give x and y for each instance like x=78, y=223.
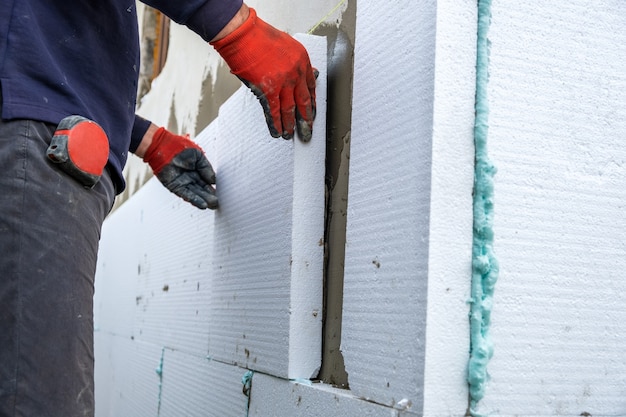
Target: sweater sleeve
x=140, y=126
x=205, y=17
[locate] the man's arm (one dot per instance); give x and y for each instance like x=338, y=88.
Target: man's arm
x=146, y=140
x=240, y=17
x=270, y=62
x=205, y=17
x=253, y=49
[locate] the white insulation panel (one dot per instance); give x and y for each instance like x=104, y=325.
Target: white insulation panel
x=557, y=126
x=201, y=296
x=386, y=265
x=187, y=291
x=266, y=296
x=194, y=386
x=451, y=212
x=280, y=398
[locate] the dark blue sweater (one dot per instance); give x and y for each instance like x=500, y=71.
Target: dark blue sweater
x=63, y=57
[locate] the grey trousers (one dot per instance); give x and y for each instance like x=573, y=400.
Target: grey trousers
x=49, y=233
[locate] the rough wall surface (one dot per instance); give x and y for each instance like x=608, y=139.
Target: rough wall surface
x=557, y=129
x=386, y=266
x=200, y=295
x=557, y=92
x=450, y=236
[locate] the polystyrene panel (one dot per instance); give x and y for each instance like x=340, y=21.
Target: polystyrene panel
x=239, y=285
x=196, y=386
x=115, y=295
x=173, y=285
x=557, y=125
x=277, y=397
x=267, y=286
x=451, y=212
x=386, y=266
x=126, y=381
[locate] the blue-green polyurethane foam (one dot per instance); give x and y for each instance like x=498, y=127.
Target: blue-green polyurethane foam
x=484, y=262
x=159, y=372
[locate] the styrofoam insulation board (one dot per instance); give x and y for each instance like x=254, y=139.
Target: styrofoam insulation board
x=165, y=285
x=451, y=216
x=557, y=127
x=266, y=299
x=114, y=299
x=195, y=386
x=277, y=397
x=386, y=265
x=242, y=284
x=125, y=378
x=173, y=290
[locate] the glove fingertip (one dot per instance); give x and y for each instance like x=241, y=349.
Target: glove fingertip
x=210, y=202
x=305, y=130
x=202, y=205
x=205, y=202
x=213, y=205
x=207, y=174
x=273, y=132
x=194, y=200
x=271, y=121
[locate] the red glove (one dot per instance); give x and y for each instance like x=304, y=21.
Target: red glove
x=182, y=167
x=278, y=70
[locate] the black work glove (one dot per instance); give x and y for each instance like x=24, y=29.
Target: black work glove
x=182, y=168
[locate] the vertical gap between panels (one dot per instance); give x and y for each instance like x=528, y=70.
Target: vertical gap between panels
x=338, y=127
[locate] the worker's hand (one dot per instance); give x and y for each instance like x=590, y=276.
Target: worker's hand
x=278, y=70
x=182, y=167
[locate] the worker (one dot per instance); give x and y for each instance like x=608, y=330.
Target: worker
x=68, y=78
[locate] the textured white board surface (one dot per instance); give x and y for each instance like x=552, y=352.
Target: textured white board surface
x=384, y=310
x=450, y=238
x=173, y=288
x=194, y=386
x=241, y=285
x=126, y=382
x=277, y=397
x=267, y=287
x=557, y=129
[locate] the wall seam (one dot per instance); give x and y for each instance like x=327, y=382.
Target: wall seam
x=484, y=262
